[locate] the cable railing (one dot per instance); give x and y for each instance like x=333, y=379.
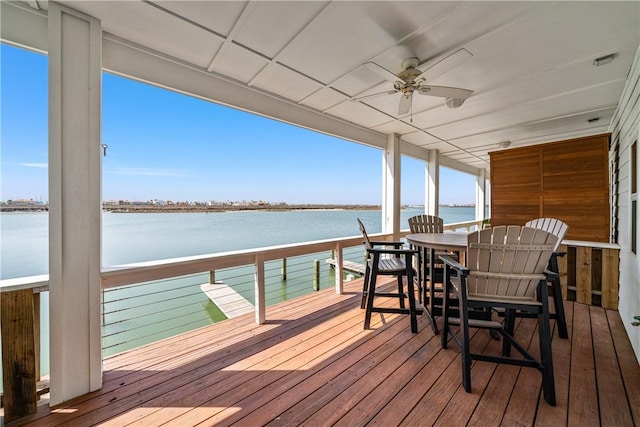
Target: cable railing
x=136, y=314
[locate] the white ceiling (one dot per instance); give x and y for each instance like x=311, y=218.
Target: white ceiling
x=532, y=69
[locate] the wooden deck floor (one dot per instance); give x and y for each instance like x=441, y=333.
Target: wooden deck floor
x=313, y=364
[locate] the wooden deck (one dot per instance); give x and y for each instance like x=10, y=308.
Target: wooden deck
x=313, y=364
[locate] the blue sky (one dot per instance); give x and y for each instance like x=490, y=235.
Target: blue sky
x=164, y=145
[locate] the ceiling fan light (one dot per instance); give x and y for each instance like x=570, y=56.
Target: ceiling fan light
x=454, y=102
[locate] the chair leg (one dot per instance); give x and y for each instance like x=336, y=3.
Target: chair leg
x=546, y=357
x=400, y=291
x=465, y=355
x=509, y=326
x=561, y=320
x=444, y=338
x=365, y=285
x=412, y=297
x=431, y=288
x=371, y=292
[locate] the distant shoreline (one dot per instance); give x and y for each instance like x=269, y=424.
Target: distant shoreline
x=212, y=209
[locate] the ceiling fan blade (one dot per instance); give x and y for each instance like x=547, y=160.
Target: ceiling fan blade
x=444, y=91
x=405, y=104
x=445, y=64
x=382, y=72
x=374, y=95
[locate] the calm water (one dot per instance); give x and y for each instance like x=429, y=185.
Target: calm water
x=139, y=237
x=129, y=238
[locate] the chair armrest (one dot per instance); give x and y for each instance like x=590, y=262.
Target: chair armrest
x=393, y=251
x=454, y=264
x=560, y=254
x=387, y=243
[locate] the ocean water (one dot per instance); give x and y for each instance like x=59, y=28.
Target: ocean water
x=137, y=237
x=136, y=315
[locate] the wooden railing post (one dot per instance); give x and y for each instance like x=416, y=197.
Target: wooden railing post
x=18, y=354
x=260, y=290
x=610, y=278
x=316, y=275
x=583, y=276
x=338, y=255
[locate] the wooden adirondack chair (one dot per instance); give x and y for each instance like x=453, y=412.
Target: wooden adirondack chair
x=506, y=269
x=559, y=229
x=389, y=259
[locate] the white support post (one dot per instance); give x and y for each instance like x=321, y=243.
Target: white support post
x=339, y=270
x=260, y=290
x=432, y=184
x=481, y=195
x=75, y=79
x=391, y=186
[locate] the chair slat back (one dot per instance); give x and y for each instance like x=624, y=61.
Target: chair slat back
x=507, y=262
x=365, y=236
x=426, y=224
x=552, y=225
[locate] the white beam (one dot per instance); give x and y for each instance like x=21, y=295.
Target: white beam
x=391, y=186
x=23, y=26
x=450, y=163
x=74, y=203
x=481, y=195
x=432, y=184
x=137, y=62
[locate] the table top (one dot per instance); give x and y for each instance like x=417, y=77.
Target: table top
x=446, y=241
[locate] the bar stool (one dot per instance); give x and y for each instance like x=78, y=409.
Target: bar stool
x=394, y=265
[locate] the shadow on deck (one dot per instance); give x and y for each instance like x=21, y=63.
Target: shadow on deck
x=313, y=364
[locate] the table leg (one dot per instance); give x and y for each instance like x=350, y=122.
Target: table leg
x=431, y=287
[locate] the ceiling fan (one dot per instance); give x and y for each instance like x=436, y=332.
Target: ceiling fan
x=412, y=80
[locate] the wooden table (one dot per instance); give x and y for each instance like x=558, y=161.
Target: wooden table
x=451, y=242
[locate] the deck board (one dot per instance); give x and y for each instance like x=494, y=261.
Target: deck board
x=583, y=394
x=313, y=364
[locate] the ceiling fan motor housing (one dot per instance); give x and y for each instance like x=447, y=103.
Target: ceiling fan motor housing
x=454, y=102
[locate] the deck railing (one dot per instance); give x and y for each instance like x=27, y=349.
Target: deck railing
x=21, y=297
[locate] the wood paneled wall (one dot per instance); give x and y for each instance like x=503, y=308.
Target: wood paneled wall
x=567, y=180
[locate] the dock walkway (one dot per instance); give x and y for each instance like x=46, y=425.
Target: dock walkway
x=231, y=303
x=351, y=266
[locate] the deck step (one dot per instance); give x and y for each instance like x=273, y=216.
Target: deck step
x=231, y=303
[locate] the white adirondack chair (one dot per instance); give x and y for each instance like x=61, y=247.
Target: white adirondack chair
x=506, y=269
x=559, y=229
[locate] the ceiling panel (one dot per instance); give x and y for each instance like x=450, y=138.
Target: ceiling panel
x=218, y=16
x=395, y=126
x=359, y=114
x=324, y=99
x=239, y=63
x=270, y=26
x=287, y=83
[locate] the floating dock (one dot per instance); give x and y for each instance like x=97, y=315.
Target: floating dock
x=351, y=266
x=231, y=303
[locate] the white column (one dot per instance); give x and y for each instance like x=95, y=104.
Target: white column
x=432, y=184
x=481, y=195
x=74, y=203
x=391, y=186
